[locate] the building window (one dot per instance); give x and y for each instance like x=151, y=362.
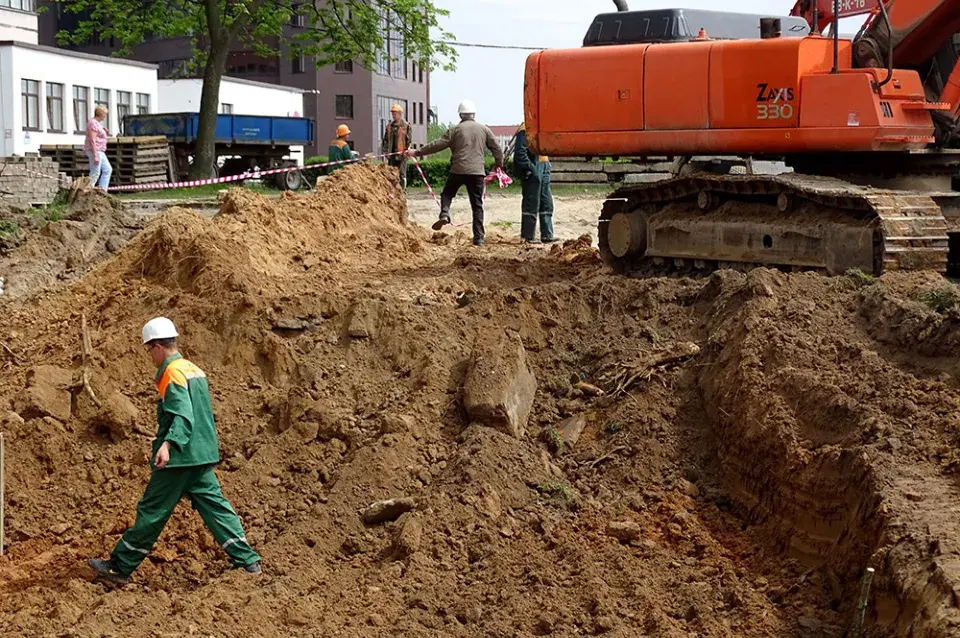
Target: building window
x=420, y=71
x=344, y=66
x=421, y=113
x=299, y=64
x=344, y=107
x=101, y=97
x=55, y=108
x=81, y=107
x=20, y=5
x=124, y=105
x=143, y=103
x=296, y=17
x=226, y=109
x=30, y=96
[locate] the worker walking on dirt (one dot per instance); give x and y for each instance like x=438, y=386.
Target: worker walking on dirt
x=184, y=453
x=537, y=203
x=397, y=138
x=340, y=150
x=467, y=141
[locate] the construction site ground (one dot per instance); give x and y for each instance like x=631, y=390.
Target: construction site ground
x=425, y=438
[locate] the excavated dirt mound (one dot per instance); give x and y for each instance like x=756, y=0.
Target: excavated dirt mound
x=722, y=456
x=36, y=255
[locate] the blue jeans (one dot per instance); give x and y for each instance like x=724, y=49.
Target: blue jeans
x=101, y=168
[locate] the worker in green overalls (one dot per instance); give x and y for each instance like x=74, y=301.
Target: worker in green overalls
x=184, y=453
x=537, y=198
x=340, y=150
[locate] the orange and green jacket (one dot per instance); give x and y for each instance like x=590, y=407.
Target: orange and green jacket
x=396, y=138
x=339, y=152
x=185, y=415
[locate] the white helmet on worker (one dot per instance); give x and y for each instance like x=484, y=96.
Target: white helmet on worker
x=467, y=108
x=159, y=328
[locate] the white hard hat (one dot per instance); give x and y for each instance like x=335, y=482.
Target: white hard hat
x=467, y=108
x=159, y=328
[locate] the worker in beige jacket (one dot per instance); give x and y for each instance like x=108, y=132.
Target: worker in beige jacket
x=467, y=142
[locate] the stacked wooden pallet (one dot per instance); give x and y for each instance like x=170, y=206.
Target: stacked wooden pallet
x=575, y=170
x=65, y=156
x=135, y=160
x=139, y=160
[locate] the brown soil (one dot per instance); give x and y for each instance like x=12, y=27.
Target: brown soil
x=37, y=255
x=760, y=439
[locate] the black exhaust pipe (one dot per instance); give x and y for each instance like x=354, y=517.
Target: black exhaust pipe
x=621, y=5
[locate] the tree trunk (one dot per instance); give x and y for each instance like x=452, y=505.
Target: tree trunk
x=220, y=38
x=205, y=158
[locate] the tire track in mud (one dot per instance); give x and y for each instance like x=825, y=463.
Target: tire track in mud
x=831, y=449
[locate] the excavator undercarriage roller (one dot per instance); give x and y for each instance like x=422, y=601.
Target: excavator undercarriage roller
x=791, y=221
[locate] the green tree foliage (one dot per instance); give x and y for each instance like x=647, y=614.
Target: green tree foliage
x=328, y=31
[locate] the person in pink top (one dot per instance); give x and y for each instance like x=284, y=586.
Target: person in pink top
x=95, y=146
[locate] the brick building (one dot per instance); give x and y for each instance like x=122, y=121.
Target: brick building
x=342, y=94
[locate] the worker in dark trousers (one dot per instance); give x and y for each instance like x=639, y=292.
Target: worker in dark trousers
x=467, y=142
x=537, y=203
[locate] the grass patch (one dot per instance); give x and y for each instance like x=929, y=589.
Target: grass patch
x=561, y=493
x=50, y=213
x=941, y=300
x=8, y=228
x=503, y=224
x=551, y=436
x=860, y=278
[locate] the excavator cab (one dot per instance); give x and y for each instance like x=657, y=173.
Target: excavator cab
x=681, y=25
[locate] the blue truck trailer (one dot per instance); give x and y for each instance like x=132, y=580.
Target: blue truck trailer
x=244, y=142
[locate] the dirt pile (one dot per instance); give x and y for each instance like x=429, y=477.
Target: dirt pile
x=53, y=246
x=720, y=456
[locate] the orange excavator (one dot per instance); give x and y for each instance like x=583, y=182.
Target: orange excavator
x=866, y=128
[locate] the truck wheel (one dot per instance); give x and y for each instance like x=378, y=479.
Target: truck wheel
x=291, y=180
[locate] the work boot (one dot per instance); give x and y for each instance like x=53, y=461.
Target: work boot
x=478, y=242
x=550, y=240
x=106, y=571
x=252, y=568
x=531, y=241
x=440, y=223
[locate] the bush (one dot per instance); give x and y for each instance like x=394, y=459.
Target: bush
x=436, y=171
x=311, y=174
x=942, y=300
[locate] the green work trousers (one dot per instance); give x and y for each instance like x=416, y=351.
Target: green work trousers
x=164, y=491
x=537, y=203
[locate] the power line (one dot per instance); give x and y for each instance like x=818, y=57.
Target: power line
x=491, y=46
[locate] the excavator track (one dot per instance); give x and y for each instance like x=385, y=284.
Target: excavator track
x=791, y=221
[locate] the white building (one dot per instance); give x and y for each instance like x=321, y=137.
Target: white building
x=243, y=97
x=18, y=21
x=237, y=96
x=47, y=94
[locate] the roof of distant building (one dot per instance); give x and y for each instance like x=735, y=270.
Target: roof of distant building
x=505, y=131
x=76, y=54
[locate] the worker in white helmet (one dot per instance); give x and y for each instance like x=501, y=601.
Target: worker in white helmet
x=467, y=142
x=184, y=453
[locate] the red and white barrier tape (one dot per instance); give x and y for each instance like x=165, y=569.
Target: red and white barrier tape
x=237, y=178
x=416, y=163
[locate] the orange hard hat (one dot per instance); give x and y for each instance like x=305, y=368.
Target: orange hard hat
x=396, y=108
x=342, y=130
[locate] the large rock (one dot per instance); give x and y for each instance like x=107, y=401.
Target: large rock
x=499, y=388
x=47, y=393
